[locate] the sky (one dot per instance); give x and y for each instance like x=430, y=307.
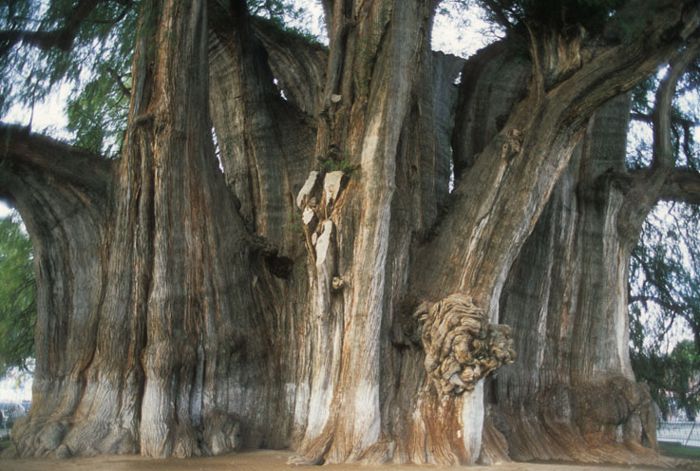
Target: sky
x=16, y=387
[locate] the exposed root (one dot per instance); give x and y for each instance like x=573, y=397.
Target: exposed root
x=597, y=422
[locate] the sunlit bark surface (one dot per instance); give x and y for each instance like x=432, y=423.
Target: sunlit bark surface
x=319, y=288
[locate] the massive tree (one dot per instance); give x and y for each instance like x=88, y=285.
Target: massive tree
x=319, y=287
x=571, y=281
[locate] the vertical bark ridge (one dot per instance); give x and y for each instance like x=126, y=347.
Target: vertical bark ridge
x=365, y=104
x=267, y=149
x=557, y=404
x=199, y=297
x=63, y=196
x=266, y=142
x=422, y=178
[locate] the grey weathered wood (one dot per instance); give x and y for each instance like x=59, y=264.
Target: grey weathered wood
x=186, y=311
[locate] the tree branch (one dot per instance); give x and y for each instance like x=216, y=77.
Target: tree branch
x=652, y=184
x=22, y=153
x=682, y=185
x=663, y=106
x=298, y=65
x=617, y=69
x=61, y=38
x=676, y=309
x=126, y=91
x=675, y=119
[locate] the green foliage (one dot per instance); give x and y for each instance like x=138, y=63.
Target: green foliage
x=678, y=450
x=98, y=113
x=276, y=10
x=17, y=297
x=96, y=65
x=665, y=305
x=557, y=14
x=674, y=379
x=665, y=276
x=343, y=165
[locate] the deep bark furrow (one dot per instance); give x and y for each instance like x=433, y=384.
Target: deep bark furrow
x=570, y=281
x=298, y=65
x=266, y=142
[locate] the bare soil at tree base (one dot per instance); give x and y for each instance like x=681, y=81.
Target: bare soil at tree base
x=254, y=461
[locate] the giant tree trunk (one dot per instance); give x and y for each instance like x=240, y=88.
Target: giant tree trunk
x=324, y=292
x=574, y=396
x=65, y=210
x=170, y=326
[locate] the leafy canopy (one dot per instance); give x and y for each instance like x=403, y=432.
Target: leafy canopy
x=674, y=379
x=87, y=46
x=84, y=45
x=554, y=14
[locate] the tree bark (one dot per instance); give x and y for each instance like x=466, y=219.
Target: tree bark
x=574, y=396
x=63, y=195
x=163, y=370
x=322, y=290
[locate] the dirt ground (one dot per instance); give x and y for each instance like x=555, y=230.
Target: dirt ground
x=252, y=461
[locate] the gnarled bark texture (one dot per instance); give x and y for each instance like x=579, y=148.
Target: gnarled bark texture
x=570, y=285
x=323, y=290
x=574, y=396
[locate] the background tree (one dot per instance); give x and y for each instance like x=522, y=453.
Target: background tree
x=182, y=310
x=17, y=297
x=674, y=379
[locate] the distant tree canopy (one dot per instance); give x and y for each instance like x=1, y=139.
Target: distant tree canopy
x=673, y=378
x=17, y=297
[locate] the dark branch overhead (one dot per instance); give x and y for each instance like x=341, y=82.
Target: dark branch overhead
x=682, y=185
x=21, y=149
x=663, y=107
x=61, y=38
